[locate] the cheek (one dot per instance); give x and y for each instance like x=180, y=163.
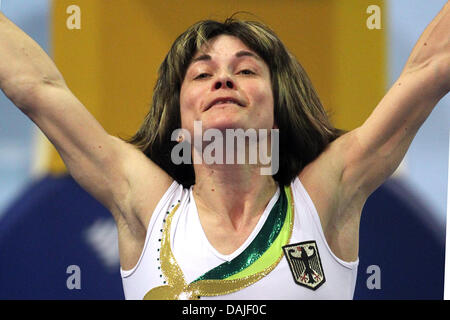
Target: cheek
x=261, y=92
x=184, y=110
x=183, y=99
x=189, y=105
x=264, y=111
x=190, y=98
x=263, y=98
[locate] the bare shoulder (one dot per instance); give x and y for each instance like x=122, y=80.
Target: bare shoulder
x=337, y=203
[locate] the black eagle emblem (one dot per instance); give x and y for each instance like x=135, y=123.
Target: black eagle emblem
x=305, y=264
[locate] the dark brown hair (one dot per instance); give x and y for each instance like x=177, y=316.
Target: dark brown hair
x=304, y=126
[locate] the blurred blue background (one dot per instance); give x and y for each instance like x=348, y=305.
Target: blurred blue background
x=419, y=185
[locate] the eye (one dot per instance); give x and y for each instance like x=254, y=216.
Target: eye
x=246, y=72
x=201, y=76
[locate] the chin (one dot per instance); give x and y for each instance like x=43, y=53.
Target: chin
x=223, y=121
x=224, y=124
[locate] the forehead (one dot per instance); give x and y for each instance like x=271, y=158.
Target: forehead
x=226, y=46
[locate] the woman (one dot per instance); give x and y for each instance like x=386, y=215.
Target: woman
x=214, y=230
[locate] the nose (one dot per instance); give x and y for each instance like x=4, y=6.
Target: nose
x=224, y=83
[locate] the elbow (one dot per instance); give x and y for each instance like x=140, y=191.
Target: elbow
x=437, y=75
x=19, y=90
x=25, y=92
x=442, y=71
x=432, y=77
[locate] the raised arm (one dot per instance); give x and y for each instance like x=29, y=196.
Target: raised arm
x=380, y=144
x=342, y=178
x=114, y=172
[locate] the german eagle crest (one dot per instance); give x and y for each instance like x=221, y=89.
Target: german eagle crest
x=304, y=261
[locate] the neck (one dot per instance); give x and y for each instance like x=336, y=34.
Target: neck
x=232, y=193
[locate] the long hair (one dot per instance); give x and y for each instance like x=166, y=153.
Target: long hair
x=304, y=126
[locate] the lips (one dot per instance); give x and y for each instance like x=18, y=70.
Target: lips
x=224, y=100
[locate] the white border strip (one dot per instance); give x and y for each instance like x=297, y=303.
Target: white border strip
x=447, y=236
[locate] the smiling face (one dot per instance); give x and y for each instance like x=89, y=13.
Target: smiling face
x=227, y=86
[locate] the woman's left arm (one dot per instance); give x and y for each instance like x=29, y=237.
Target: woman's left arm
x=377, y=147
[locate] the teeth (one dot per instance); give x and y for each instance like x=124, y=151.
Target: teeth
x=226, y=101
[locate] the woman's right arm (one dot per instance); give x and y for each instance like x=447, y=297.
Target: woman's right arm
x=114, y=172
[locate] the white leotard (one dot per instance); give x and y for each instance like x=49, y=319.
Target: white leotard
x=195, y=255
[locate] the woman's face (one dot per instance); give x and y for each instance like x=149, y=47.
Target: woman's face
x=227, y=86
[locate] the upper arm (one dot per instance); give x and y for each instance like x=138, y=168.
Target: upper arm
x=355, y=164
x=361, y=160
x=341, y=179
x=111, y=170
x=379, y=145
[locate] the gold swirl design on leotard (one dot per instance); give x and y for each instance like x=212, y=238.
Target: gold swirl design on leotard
x=178, y=289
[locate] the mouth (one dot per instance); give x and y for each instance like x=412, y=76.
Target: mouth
x=224, y=101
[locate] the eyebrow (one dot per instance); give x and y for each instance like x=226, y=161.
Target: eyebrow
x=239, y=54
